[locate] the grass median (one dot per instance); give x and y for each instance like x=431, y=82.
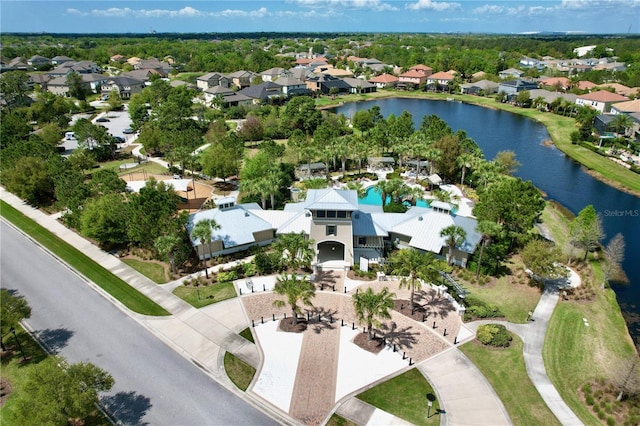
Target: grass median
x=119, y=289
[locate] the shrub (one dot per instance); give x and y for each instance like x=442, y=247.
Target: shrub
x=250, y=269
x=494, y=335
x=586, y=388
x=226, y=276
x=589, y=400
x=479, y=309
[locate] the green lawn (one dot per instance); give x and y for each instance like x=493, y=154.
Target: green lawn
x=153, y=271
x=505, y=370
x=15, y=371
x=405, y=396
x=206, y=295
x=238, y=371
x=113, y=285
x=575, y=353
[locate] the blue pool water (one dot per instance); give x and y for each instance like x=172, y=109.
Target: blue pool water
x=374, y=198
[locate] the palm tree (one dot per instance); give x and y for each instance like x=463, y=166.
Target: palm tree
x=370, y=307
x=488, y=229
x=165, y=246
x=455, y=236
x=465, y=161
x=203, y=231
x=621, y=123
x=295, y=290
x=414, y=266
x=296, y=248
x=432, y=154
x=358, y=187
x=392, y=187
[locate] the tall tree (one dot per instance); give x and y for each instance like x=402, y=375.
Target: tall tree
x=454, y=236
x=203, y=232
x=613, y=257
x=296, y=291
x=543, y=260
x=104, y=218
x=55, y=392
x=585, y=231
x=489, y=230
x=13, y=309
x=414, y=267
x=77, y=87
x=220, y=160
x=371, y=307
x=14, y=88
x=166, y=245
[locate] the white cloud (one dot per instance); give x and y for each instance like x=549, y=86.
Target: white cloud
x=597, y=4
x=438, y=6
x=492, y=9
x=376, y=5
x=564, y=5
x=185, y=12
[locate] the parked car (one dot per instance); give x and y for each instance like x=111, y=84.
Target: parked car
x=128, y=131
x=102, y=120
x=119, y=139
x=69, y=135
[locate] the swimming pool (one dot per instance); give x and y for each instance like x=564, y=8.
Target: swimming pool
x=374, y=198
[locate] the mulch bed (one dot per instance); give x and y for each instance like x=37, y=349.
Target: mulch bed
x=374, y=345
x=287, y=325
x=5, y=391
x=402, y=306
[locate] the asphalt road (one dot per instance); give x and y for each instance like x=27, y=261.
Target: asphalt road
x=153, y=384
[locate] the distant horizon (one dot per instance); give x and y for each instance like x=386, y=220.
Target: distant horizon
x=505, y=17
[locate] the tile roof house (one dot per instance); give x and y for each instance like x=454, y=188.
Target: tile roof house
x=358, y=85
x=242, y=79
x=292, y=86
x=561, y=83
x=600, y=100
x=585, y=85
x=213, y=79
x=423, y=69
x=620, y=89
x=516, y=86
x=342, y=231
x=483, y=86
x=628, y=107
x=384, y=80
x=510, y=73
x=117, y=58
x=262, y=92
x=323, y=83
x=331, y=70
x=549, y=96
x=124, y=86
x=440, y=79
x=412, y=78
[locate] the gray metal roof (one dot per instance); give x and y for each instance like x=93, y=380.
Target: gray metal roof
x=363, y=225
x=332, y=199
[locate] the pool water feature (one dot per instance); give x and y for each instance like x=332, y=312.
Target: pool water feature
x=373, y=197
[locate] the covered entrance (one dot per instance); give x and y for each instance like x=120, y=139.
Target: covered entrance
x=330, y=251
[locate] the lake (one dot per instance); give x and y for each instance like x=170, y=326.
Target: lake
x=561, y=178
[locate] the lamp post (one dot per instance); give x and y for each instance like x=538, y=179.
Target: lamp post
x=13, y=331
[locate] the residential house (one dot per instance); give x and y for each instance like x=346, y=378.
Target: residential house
x=628, y=107
x=58, y=86
x=358, y=85
x=477, y=76
x=557, y=83
x=292, y=86
x=516, y=86
x=611, y=66
x=510, y=73
x=142, y=75
x=423, y=69
x=324, y=83
x=117, y=58
x=263, y=92
x=585, y=85
x=549, y=96
x=482, y=87
x=331, y=70
x=213, y=79
x=600, y=100
x=620, y=89
x=164, y=68
x=527, y=62
x=242, y=79
x=40, y=79
x=411, y=79
x=301, y=73
x=134, y=61
x=124, y=86
x=237, y=99
x=60, y=59
x=216, y=92
x=37, y=61
x=439, y=81
x=19, y=64
x=384, y=80
x=272, y=74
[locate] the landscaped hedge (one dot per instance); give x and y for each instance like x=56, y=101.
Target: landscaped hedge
x=494, y=335
x=476, y=308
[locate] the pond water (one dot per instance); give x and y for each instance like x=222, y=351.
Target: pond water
x=561, y=178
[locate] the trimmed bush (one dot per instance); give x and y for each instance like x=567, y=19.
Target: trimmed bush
x=226, y=276
x=494, y=335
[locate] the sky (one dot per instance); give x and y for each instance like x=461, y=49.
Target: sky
x=438, y=16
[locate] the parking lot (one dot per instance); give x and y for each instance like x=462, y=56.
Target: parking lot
x=116, y=123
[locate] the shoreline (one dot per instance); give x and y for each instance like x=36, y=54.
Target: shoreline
x=529, y=113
